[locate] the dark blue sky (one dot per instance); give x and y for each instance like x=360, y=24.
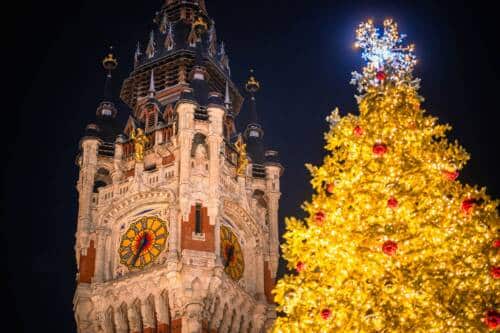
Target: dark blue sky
x=302, y=53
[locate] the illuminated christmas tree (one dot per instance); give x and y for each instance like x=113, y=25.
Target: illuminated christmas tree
x=393, y=242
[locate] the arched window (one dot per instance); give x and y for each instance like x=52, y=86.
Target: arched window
x=102, y=178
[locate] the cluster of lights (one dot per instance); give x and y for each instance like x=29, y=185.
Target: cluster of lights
x=393, y=242
x=387, y=59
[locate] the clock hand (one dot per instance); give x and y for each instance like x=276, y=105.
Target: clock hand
x=230, y=254
x=139, y=250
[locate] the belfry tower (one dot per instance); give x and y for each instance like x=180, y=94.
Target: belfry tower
x=177, y=225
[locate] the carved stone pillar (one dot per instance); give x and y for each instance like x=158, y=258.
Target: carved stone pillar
x=120, y=321
x=186, y=125
x=134, y=319
x=193, y=316
x=225, y=321
x=102, y=234
x=162, y=313
x=174, y=234
x=148, y=317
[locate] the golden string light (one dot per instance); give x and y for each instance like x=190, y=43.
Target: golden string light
x=393, y=242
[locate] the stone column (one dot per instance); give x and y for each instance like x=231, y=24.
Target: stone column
x=134, y=319
x=120, y=321
x=174, y=233
x=186, y=132
x=117, y=173
x=102, y=234
x=193, y=318
x=162, y=313
x=85, y=186
x=148, y=318
x=215, y=137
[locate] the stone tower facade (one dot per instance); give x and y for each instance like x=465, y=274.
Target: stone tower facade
x=177, y=225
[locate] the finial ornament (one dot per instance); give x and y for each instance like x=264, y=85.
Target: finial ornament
x=241, y=148
x=169, y=40
x=109, y=62
x=137, y=54
x=212, y=41
x=388, y=60
x=140, y=141
x=252, y=85
x=152, y=88
x=151, y=49
x=164, y=24
x=199, y=25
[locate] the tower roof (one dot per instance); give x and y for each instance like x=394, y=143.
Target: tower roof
x=184, y=37
x=105, y=126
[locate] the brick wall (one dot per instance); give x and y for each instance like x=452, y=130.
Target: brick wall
x=176, y=326
x=87, y=264
x=188, y=228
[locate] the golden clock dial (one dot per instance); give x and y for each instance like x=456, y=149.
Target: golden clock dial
x=232, y=256
x=143, y=242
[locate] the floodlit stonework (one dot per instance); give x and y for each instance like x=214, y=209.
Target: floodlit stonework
x=133, y=277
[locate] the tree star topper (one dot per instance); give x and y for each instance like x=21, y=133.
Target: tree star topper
x=388, y=60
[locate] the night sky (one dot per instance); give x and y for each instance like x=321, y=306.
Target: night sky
x=302, y=54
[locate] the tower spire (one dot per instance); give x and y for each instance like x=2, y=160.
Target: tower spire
x=152, y=88
x=252, y=87
x=107, y=107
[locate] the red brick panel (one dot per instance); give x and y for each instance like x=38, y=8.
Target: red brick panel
x=188, y=228
x=162, y=328
x=176, y=326
x=268, y=283
x=130, y=173
x=148, y=330
x=87, y=265
x=168, y=159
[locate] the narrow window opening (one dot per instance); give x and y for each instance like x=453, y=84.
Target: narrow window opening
x=198, y=219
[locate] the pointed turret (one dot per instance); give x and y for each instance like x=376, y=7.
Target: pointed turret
x=105, y=127
x=253, y=133
x=106, y=107
x=151, y=49
x=152, y=89
x=137, y=54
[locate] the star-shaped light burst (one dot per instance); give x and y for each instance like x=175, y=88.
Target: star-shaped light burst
x=388, y=60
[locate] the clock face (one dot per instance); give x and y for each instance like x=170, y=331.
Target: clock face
x=143, y=242
x=232, y=256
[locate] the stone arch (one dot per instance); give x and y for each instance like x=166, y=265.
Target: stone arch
x=127, y=205
x=243, y=221
x=102, y=178
x=199, y=139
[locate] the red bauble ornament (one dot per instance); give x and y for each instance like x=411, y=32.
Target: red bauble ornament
x=496, y=243
x=468, y=205
x=492, y=319
x=390, y=248
x=319, y=218
x=379, y=149
x=495, y=272
x=326, y=314
x=381, y=76
x=451, y=175
x=392, y=203
x=300, y=266
x=358, y=131
x=329, y=188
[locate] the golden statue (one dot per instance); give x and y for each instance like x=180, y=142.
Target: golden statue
x=241, y=148
x=140, y=141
